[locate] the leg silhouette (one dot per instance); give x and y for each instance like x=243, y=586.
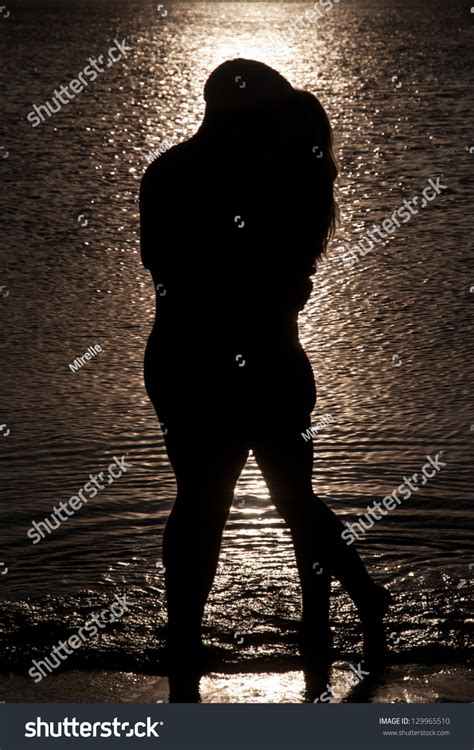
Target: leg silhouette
x=286, y=464
x=206, y=474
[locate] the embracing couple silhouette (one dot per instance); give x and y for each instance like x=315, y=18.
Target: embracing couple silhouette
x=224, y=353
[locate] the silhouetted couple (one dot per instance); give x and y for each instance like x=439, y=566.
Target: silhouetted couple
x=232, y=223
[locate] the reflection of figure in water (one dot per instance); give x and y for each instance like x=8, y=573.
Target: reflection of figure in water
x=232, y=222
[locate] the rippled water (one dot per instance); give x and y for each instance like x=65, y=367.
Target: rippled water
x=389, y=339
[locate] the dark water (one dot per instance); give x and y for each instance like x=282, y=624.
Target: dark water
x=390, y=339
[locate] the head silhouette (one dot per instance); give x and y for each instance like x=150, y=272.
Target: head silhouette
x=256, y=119
x=238, y=84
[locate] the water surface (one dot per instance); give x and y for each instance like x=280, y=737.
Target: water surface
x=389, y=339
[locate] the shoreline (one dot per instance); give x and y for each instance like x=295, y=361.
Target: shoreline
x=399, y=683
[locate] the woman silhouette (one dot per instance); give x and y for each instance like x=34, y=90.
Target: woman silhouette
x=232, y=222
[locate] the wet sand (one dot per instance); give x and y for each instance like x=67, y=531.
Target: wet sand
x=401, y=683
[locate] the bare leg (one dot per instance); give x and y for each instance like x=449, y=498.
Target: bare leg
x=193, y=533
x=286, y=459
x=286, y=468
